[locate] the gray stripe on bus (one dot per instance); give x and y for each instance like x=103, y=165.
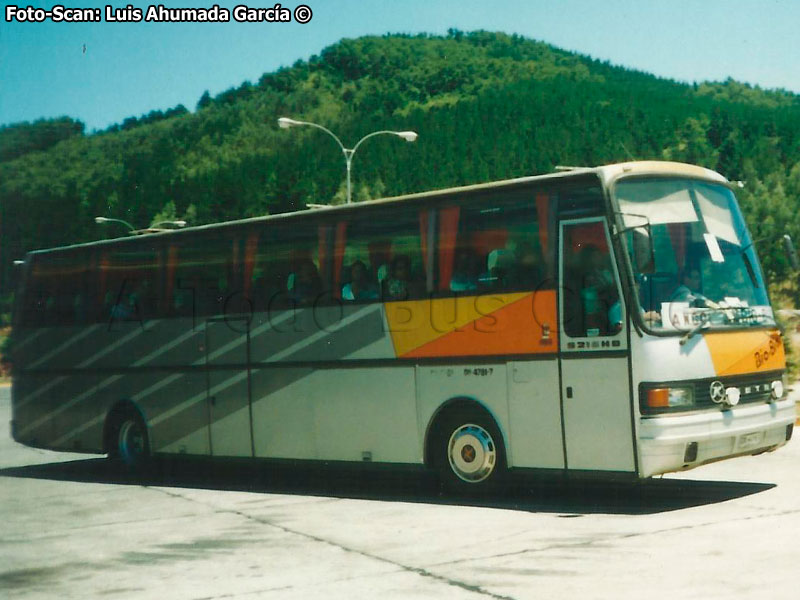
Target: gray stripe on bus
x=70, y=403
x=79, y=397
x=104, y=383
x=266, y=381
x=21, y=344
x=110, y=348
x=33, y=395
x=138, y=396
x=77, y=431
x=197, y=397
x=59, y=349
x=294, y=350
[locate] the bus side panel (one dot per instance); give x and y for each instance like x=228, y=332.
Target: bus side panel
x=29, y=344
x=322, y=414
x=283, y=413
x=44, y=404
x=56, y=347
x=175, y=405
x=345, y=400
x=153, y=343
x=79, y=415
x=535, y=414
x=31, y=405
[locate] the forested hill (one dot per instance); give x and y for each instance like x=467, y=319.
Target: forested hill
x=486, y=106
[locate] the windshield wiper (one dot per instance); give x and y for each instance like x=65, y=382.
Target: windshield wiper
x=750, y=271
x=693, y=331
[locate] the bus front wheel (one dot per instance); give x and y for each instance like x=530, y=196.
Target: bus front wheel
x=469, y=453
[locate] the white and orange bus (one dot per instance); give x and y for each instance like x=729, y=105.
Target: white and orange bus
x=611, y=319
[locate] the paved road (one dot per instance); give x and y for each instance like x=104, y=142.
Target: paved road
x=72, y=527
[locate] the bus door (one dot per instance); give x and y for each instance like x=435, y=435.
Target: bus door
x=595, y=389
x=227, y=366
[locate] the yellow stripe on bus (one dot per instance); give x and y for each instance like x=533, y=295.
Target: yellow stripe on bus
x=416, y=324
x=740, y=352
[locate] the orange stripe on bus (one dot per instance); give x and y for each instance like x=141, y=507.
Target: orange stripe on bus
x=516, y=326
x=418, y=322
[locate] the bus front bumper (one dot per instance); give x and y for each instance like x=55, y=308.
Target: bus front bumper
x=680, y=442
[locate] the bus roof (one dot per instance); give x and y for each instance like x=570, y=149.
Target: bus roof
x=606, y=173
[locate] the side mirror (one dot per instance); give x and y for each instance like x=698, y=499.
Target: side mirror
x=791, y=253
x=644, y=256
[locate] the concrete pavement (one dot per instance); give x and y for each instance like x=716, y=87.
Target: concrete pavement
x=73, y=527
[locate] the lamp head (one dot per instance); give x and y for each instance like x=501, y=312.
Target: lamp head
x=286, y=122
x=409, y=136
x=100, y=220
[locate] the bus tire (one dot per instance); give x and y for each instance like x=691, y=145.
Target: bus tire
x=468, y=452
x=129, y=442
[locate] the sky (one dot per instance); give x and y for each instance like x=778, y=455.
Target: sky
x=103, y=72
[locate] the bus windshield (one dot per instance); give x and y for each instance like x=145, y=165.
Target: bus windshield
x=694, y=262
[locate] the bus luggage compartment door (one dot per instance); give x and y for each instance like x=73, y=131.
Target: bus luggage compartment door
x=229, y=412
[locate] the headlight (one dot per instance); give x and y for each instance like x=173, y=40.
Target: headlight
x=674, y=397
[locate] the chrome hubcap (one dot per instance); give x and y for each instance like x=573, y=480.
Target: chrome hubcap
x=472, y=453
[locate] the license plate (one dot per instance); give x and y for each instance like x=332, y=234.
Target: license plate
x=749, y=440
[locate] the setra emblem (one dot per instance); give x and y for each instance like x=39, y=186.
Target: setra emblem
x=717, y=391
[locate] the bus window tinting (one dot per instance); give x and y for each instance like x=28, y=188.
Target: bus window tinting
x=204, y=276
x=496, y=244
x=381, y=256
x=128, y=284
x=286, y=269
x=58, y=291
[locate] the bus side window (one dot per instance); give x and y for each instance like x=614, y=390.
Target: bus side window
x=58, y=292
x=381, y=257
x=286, y=269
x=128, y=284
x=202, y=277
x=36, y=299
x=498, y=243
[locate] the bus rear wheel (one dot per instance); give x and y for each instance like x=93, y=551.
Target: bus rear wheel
x=469, y=453
x=130, y=443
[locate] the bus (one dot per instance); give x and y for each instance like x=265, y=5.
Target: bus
x=610, y=320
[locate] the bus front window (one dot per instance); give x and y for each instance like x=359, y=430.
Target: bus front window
x=694, y=262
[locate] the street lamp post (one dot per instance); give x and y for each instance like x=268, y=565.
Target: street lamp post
x=101, y=220
x=133, y=231
x=176, y=224
x=409, y=136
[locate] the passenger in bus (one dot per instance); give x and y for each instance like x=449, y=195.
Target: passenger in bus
x=464, y=278
x=689, y=290
x=360, y=286
x=602, y=310
x=499, y=264
x=306, y=285
x=399, y=285
x=689, y=281
x=182, y=298
x=527, y=270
